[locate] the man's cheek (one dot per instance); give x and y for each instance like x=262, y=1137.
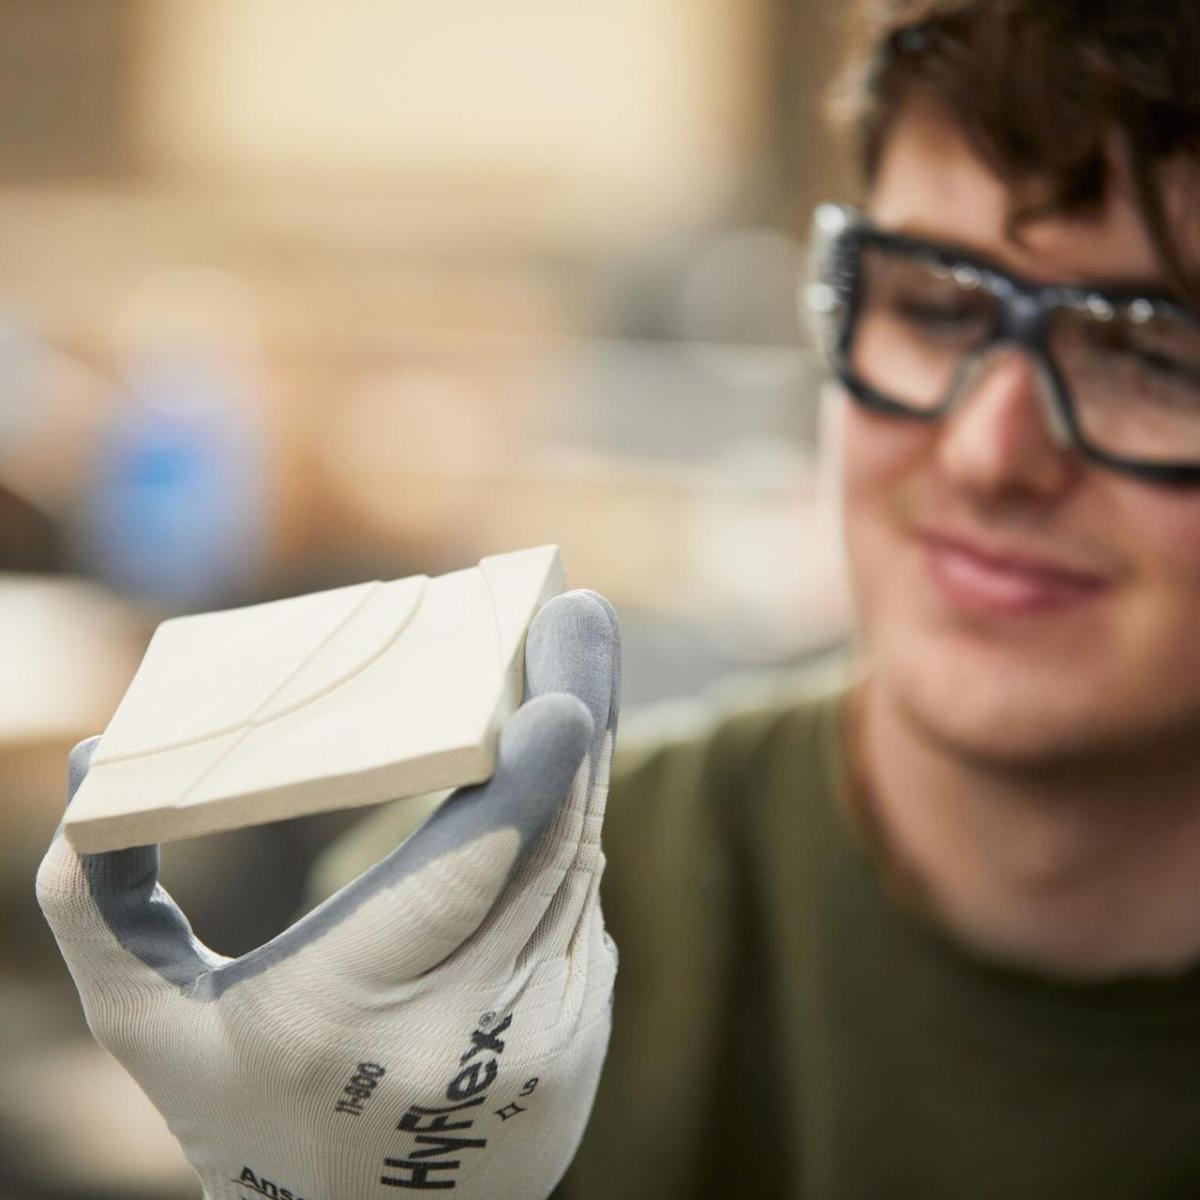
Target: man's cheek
x=1161, y=527
x=871, y=551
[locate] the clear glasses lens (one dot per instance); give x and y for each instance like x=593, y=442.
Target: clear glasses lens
x=916, y=323
x=1134, y=375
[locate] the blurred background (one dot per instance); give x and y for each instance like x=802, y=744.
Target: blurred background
x=298, y=293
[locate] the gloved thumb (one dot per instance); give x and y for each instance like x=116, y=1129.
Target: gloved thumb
x=116, y=927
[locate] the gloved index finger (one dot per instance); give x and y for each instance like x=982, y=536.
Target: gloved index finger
x=573, y=646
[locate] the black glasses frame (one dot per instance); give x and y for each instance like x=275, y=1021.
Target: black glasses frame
x=1024, y=311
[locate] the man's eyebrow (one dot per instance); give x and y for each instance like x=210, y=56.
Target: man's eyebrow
x=921, y=233
x=1133, y=283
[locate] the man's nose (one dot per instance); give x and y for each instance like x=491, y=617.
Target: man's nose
x=1000, y=439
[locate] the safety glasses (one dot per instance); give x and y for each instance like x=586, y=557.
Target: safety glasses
x=910, y=325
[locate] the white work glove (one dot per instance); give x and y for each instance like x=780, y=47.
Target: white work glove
x=439, y=1024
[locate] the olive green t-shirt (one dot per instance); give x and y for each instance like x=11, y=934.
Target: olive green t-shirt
x=785, y=1027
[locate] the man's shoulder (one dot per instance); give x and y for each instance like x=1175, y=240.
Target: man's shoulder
x=742, y=717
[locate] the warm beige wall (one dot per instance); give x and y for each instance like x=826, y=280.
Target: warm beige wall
x=648, y=99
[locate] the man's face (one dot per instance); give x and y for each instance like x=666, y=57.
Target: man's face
x=1022, y=606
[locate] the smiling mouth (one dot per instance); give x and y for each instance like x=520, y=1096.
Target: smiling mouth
x=981, y=582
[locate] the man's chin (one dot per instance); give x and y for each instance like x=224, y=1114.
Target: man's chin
x=1002, y=720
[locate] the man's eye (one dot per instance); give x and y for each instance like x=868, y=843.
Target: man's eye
x=1155, y=354
x=1172, y=352
x=938, y=317
x=1166, y=368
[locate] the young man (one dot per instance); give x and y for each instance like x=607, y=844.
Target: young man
x=930, y=935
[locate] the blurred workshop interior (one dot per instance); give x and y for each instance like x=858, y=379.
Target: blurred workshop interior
x=298, y=293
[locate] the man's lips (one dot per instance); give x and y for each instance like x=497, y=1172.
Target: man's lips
x=1004, y=582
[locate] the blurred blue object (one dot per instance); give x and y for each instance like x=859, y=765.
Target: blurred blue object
x=175, y=510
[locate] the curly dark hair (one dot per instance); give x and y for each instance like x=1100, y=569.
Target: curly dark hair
x=1041, y=88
